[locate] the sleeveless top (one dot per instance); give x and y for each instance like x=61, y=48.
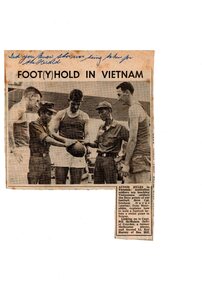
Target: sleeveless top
x=21, y=136
x=143, y=136
x=72, y=128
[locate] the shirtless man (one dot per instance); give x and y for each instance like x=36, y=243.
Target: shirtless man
x=18, y=135
x=137, y=165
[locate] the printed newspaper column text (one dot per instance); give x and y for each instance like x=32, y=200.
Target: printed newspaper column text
x=134, y=210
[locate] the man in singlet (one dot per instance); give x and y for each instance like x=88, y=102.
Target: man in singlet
x=71, y=123
x=19, y=117
x=137, y=165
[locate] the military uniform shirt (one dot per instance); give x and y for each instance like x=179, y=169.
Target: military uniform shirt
x=109, y=138
x=38, y=132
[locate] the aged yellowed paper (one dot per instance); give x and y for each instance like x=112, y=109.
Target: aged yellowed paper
x=84, y=120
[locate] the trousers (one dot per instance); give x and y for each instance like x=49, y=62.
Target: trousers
x=105, y=170
x=39, y=170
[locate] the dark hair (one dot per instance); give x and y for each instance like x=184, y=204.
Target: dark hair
x=126, y=86
x=33, y=90
x=76, y=95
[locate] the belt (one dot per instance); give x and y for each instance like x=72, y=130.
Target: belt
x=107, y=154
x=37, y=154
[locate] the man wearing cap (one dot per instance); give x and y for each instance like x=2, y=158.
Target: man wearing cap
x=19, y=116
x=39, y=144
x=109, y=140
x=137, y=165
x=71, y=123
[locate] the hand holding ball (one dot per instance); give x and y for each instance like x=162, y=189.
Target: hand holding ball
x=76, y=149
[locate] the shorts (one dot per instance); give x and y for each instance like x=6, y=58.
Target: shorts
x=140, y=163
x=17, y=171
x=61, y=158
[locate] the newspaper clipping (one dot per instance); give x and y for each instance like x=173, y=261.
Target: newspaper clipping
x=84, y=120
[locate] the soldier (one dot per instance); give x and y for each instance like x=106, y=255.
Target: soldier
x=39, y=144
x=109, y=140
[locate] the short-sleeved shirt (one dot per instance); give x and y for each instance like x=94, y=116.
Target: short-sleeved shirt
x=38, y=132
x=109, y=138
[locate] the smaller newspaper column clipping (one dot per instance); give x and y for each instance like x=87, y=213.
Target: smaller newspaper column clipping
x=134, y=212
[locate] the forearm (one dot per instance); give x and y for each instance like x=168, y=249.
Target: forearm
x=11, y=137
x=58, y=137
x=54, y=142
x=87, y=138
x=129, y=151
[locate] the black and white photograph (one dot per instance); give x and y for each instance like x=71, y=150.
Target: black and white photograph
x=62, y=63
x=79, y=132
x=84, y=120
x=79, y=118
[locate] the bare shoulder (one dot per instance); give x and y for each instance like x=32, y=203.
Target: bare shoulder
x=84, y=115
x=137, y=112
x=16, y=112
x=60, y=114
x=134, y=110
x=55, y=121
x=17, y=107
